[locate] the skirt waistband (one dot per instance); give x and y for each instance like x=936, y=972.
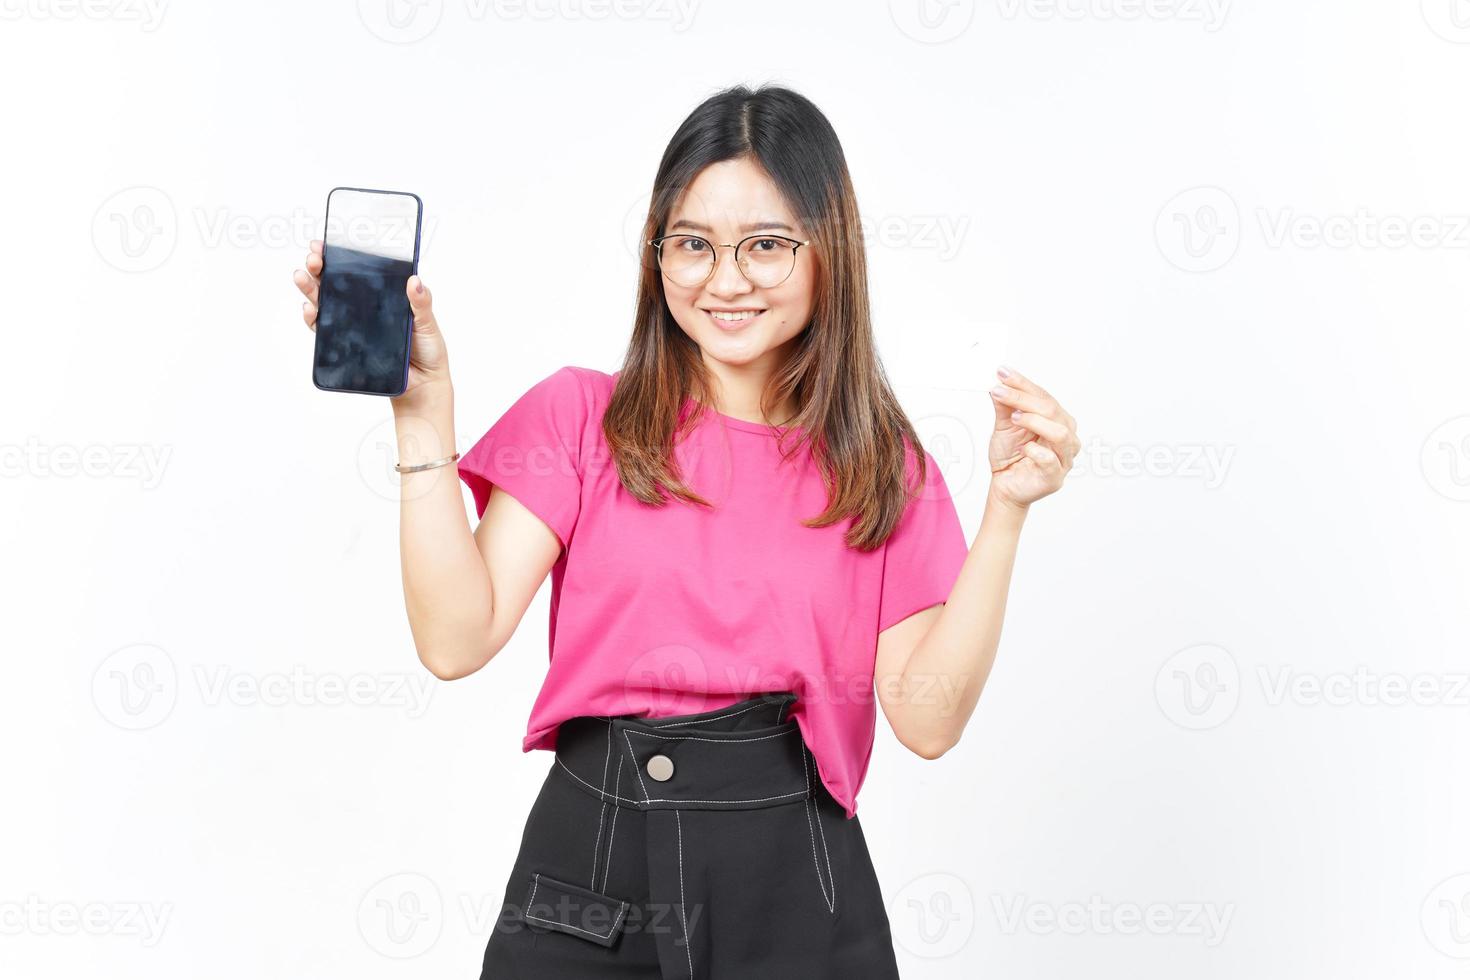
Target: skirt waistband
x=744, y=756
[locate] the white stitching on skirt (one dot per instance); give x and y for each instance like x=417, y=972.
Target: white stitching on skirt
x=628, y=799
x=697, y=738
x=601, y=816
x=809, y=806
x=679, y=824
x=706, y=721
x=676, y=738
x=612, y=835
x=536, y=883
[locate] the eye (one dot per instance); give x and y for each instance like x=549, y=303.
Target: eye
x=689, y=244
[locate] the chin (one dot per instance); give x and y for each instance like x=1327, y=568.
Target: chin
x=733, y=348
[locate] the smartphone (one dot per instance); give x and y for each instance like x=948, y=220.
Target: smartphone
x=370, y=248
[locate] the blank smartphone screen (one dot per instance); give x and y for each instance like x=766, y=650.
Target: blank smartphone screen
x=363, y=318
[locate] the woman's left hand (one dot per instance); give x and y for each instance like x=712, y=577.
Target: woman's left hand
x=1034, y=442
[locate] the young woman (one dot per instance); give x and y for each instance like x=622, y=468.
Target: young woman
x=743, y=536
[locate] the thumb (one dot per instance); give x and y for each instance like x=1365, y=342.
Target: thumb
x=1003, y=412
x=421, y=301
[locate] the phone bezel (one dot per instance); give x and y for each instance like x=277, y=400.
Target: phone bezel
x=408, y=326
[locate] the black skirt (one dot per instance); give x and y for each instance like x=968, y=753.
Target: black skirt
x=690, y=847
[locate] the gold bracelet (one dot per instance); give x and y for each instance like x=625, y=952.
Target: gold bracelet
x=425, y=466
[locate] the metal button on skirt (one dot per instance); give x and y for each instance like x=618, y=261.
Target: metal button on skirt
x=690, y=847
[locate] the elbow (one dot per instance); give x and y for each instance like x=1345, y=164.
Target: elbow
x=451, y=665
x=931, y=748
x=444, y=670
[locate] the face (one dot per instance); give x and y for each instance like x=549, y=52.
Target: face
x=726, y=202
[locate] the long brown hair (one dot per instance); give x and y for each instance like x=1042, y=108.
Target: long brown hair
x=846, y=411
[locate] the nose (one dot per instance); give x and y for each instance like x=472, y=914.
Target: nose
x=727, y=279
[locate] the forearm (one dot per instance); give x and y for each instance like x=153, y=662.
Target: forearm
x=944, y=675
x=446, y=586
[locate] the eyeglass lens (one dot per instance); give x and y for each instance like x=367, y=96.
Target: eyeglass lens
x=688, y=260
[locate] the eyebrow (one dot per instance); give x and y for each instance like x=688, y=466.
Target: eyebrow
x=745, y=229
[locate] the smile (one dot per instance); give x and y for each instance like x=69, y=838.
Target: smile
x=728, y=320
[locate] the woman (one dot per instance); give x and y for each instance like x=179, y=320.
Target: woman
x=741, y=538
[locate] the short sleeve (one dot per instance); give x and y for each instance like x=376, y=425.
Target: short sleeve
x=923, y=555
x=534, y=452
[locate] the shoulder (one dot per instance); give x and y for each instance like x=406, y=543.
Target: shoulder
x=573, y=386
x=597, y=383
x=572, y=397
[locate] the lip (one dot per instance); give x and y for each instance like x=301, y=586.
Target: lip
x=710, y=312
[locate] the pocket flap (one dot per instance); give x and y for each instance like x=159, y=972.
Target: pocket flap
x=575, y=910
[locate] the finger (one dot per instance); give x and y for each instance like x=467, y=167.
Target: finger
x=1000, y=402
x=421, y=301
x=313, y=263
x=305, y=282
x=1023, y=400
x=1043, y=457
x=316, y=245
x=308, y=313
x=1016, y=379
x=1054, y=432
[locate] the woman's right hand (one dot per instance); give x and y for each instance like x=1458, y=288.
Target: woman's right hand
x=428, y=361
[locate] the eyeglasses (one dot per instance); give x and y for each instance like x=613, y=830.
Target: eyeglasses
x=764, y=260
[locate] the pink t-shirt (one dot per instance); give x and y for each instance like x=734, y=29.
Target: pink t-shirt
x=657, y=611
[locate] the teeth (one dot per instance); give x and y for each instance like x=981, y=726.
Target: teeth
x=733, y=317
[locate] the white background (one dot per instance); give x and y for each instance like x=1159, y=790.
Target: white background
x=1231, y=692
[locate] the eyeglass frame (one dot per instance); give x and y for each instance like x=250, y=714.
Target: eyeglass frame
x=657, y=244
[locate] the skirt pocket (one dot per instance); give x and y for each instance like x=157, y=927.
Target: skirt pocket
x=561, y=906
